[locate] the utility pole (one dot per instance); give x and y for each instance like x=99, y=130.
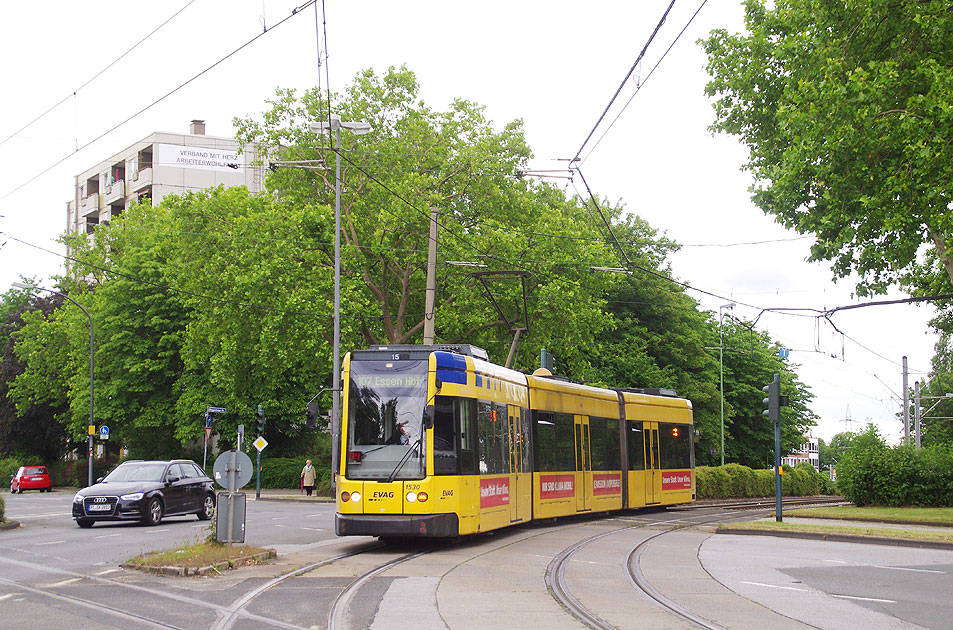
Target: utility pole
x=906, y=404
x=431, y=279
x=916, y=414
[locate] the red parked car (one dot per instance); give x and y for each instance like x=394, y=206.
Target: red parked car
x=31, y=478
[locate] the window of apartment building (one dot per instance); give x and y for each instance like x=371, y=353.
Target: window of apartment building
x=117, y=173
x=92, y=186
x=145, y=158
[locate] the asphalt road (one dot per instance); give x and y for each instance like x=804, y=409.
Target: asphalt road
x=54, y=574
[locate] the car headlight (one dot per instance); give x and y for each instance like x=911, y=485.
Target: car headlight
x=77, y=498
x=135, y=496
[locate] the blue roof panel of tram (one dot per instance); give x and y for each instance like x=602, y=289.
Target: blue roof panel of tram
x=451, y=368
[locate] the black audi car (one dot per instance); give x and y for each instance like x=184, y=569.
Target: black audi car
x=146, y=491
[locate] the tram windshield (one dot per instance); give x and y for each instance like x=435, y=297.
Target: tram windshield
x=385, y=420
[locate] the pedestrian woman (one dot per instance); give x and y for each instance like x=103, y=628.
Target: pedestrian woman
x=308, y=477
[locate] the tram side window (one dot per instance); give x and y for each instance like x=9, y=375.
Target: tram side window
x=526, y=433
x=613, y=448
x=565, y=442
x=490, y=438
x=544, y=441
x=466, y=425
x=597, y=439
x=675, y=445
x=636, y=446
x=444, y=445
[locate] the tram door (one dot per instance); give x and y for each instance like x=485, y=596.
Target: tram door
x=516, y=459
x=653, y=472
x=583, y=464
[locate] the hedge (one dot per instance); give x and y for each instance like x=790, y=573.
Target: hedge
x=3, y=516
x=897, y=476
x=733, y=481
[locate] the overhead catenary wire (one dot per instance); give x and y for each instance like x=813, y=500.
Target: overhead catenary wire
x=74, y=93
x=624, y=81
x=157, y=101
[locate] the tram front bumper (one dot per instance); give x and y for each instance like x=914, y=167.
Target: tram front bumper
x=398, y=525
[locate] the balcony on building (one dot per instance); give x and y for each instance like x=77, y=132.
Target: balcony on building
x=115, y=180
x=142, y=167
x=89, y=198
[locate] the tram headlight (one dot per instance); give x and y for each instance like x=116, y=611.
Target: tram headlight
x=355, y=497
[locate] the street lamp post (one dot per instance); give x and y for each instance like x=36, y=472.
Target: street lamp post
x=357, y=128
x=92, y=423
x=721, y=370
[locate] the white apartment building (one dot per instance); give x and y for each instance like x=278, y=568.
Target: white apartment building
x=156, y=166
x=806, y=453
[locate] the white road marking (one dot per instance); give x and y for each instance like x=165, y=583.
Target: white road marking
x=866, y=599
x=837, y=561
x=156, y=531
x=7, y=596
x=877, y=566
x=107, y=572
x=280, y=525
x=312, y=529
x=52, y=542
x=108, y=535
x=786, y=588
x=63, y=582
x=279, y=518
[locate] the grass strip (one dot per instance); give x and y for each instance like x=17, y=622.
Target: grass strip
x=194, y=555
x=938, y=516
x=879, y=532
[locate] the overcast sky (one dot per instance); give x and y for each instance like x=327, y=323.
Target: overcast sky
x=555, y=65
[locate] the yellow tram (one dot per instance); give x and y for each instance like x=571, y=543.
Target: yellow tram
x=436, y=441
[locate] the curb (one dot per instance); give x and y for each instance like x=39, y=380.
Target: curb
x=870, y=540
x=291, y=499
x=213, y=569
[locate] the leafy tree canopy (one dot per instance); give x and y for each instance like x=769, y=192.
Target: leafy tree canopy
x=846, y=108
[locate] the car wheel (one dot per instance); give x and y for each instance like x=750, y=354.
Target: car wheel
x=85, y=523
x=14, y=490
x=153, y=515
x=208, y=508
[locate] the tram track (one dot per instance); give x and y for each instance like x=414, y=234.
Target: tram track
x=561, y=591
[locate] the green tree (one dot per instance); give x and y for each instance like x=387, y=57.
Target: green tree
x=415, y=159
x=33, y=429
x=937, y=425
x=845, y=109
x=751, y=361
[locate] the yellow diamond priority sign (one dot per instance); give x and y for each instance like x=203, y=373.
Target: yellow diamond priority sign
x=260, y=443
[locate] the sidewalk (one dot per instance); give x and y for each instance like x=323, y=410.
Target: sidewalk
x=284, y=494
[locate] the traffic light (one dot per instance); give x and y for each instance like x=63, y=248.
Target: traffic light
x=311, y=415
x=260, y=420
x=772, y=408
x=774, y=400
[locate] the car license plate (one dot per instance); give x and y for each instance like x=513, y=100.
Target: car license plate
x=99, y=507
x=37, y=478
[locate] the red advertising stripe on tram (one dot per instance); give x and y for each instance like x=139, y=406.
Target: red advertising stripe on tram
x=556, y=486
x=677, y=480
x=494, y=492
x=606, y=483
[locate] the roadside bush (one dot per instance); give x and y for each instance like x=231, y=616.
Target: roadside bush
x=735, y=481
x=3, y=513
x=897, y=476
x=8, y=468
x=285, y=472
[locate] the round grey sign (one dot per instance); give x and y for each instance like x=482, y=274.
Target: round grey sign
x=242, y=473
